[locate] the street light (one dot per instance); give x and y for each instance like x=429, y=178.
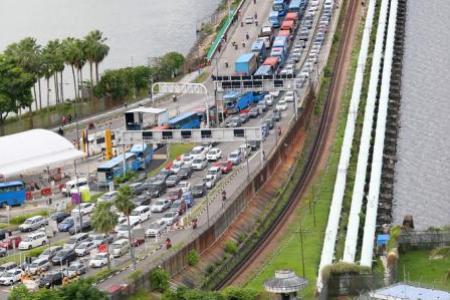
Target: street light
x=75, y=164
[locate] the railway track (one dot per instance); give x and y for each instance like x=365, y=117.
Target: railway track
x=318, y=149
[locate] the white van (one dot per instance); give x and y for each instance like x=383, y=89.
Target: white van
x=33, y=223
x=72, y=185
x=120, y=247
x=33, y=240
x=140, y=214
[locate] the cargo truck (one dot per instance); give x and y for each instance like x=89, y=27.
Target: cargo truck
x=259, y=48
x=246, y=64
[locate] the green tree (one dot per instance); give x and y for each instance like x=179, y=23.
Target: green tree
x=74, y=56
x=237, y=293
x=170, y=63
x=82, y=289
x=19, y=292
x=27, y=55
x=193, y=257
x=159, y=280
x=125, y=205
x=15, y=89
x=53, y=58
x=104, y=220
x=96, y=51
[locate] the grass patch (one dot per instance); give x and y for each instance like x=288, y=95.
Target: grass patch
x=141, y=295
x=175, y=150
x=17, y=220
x=314, y=219
x=416, y=266
x=20, y=256
x=201, y=77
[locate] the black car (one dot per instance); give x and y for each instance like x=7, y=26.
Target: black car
x=269, y=123
x=137, y=188
x=164, y=173
x=185, y=172
x=254, y=145
x=51, y=279
x=173, y=180
x=156, y=188
x=76, y=228
x=64, y=257
x=199, y=190
x=143, y=199
x=2, y=234
x=59, y=216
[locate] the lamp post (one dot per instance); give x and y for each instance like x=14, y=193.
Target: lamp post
x=75, y=163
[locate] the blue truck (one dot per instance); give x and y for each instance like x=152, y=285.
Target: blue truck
x=234, y=101
x=280, y=53
x=281, y=42
x=246, y=64
x=259, y=47
x=264, y=70
x=274, y=19
x=280, y=6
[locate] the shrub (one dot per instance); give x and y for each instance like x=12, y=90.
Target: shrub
x=210, y=269
x=17, y=220
x=134, y=276
x=233, y=292
x=193, y=257
x=242, y=237
x=231, y=247
x=343, y=268
x=159, y=280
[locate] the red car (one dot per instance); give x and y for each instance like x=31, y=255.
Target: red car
x=137, y=242
x=9, y=242
x=174, y=193
x=225, y=166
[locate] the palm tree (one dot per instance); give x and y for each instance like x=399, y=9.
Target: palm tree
x=56, y=59
x=27, y=54
x=73, y=56
x=125, y=206
x=104, y=220
x=95, y=49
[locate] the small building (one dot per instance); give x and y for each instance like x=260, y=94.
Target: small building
x=403, y=291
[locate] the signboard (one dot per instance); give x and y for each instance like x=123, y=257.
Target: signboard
x=180, y=88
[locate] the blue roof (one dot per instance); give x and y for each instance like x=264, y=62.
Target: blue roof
x=295, y=3
x=276, y=51
x=181, y=117
x=244, y=58
x=10, y=183
x=273, y=14
x=278, y=1
x=406, y=291
x=263, y=70
x=115, y=161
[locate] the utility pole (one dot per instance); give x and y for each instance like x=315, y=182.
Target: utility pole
x=301, y=251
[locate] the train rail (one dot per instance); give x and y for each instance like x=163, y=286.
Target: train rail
x=318, y=149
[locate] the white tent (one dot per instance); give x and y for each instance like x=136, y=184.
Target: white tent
x=34, y=149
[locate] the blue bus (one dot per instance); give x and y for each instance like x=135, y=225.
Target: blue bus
x=144, y=154
x=12, y=193
x=113, y=168
x=234, y=101
x=186, y=120
x=280, y=6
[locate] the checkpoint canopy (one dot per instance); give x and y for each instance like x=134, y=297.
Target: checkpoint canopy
x=34, y=149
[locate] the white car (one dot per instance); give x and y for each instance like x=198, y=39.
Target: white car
x=268, y=99
x=215, y=171
x=281, y=105
x=84, y=248
x=160, y=205
x=84, y=208
x=156, y=229
x=289, y=96
x=99, y=260
x=188, y=159
x=33, y=240
x=176, y=166
x=10, y=277
x=214, y=154
x=210, y=181
x=199, y=152
x=288, y=70
x=39, y=265
x=185, y=186
x=248, y=20
x=170, y=218
x=140, y=214
x=122, y=230
x=199, y=164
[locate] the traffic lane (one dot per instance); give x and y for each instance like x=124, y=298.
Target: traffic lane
x=229, y=54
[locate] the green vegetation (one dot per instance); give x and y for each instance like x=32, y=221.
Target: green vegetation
x=32, y=253
x=201, y=77
x=229, y=293
x=230, y=247
x=125, y=205
x=175, y=151
x=130, y=175
x=159, y=280
x=140, y=295
x=103, y=221
x=421, y=266
x=342, y=268
x=193, y=257
x=21, y=218
x=81, y=289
